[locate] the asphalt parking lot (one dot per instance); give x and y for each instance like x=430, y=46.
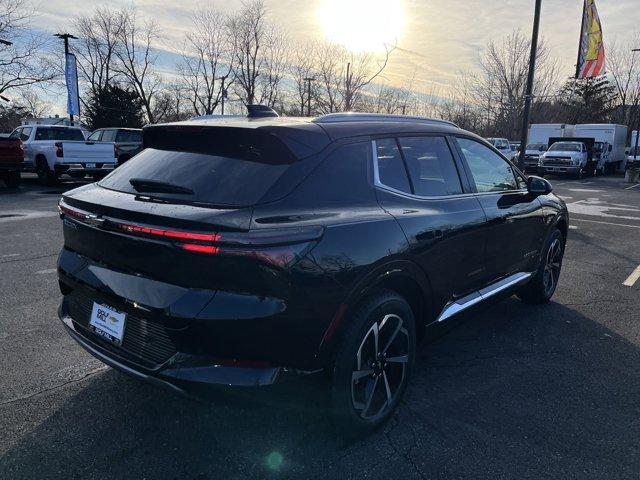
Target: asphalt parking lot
x=512, y=391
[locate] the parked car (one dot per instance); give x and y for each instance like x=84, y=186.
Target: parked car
x=532, y=156
x=52, y=151
x=247, y=252
x=566, y=157
x=503, y=146
x=128, y=141
x=11, y=161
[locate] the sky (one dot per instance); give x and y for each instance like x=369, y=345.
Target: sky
x=435, y=38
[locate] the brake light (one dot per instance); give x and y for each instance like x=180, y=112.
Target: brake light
x=59, y=150
x=279, y=247
x=195, y=247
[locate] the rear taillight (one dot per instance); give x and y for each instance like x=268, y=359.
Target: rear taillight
x=59, y=150
x=279, y=247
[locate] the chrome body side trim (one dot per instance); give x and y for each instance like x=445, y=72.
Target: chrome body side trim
x=453, y=308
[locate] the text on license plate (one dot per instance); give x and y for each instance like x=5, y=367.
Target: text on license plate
x=107, y=322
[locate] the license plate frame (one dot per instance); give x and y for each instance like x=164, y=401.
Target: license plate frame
x=108, y=322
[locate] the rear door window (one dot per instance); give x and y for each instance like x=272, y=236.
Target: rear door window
x=391, y=170
x=431, y=166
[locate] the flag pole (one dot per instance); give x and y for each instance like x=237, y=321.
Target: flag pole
x=582, y=25
x=529, y=93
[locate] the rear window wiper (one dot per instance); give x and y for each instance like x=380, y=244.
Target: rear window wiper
x=148, y=185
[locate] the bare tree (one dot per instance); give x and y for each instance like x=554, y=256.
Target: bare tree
x=344, y=76
x=624, y=71
x=24, y=62
x=98, y=39
x=361, y=70
x=500, y=88
x=302, y=68
x=137, y=58
x=32, y=103
x=207, y=58
x=274, y=66
x=248, y=30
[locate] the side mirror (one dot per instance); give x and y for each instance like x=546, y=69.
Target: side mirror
x=538, y=186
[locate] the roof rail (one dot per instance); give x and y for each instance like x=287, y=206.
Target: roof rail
x=378, y=117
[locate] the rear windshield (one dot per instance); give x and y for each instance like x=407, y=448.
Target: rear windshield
x=214, y=180
x=44, y=133
x=129, y=136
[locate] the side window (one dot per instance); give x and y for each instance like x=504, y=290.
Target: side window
x=16, y=133
x=25, y=133
x=431, y=166
x=391, y=170
x=490, y=172
x=95, y=136
x=108, y=135
x=342, y=177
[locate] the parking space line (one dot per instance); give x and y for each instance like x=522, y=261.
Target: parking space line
x=573, y=219
x=633, y=278
x=632, y=186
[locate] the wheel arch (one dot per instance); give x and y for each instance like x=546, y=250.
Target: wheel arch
x=402, y=277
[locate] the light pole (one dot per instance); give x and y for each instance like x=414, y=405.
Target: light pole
x=309, y=80
x=223, y=92
x=529, y=93
x=66, y=37
x=635, y=148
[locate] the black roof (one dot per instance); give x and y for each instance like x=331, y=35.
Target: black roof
x=307, y=136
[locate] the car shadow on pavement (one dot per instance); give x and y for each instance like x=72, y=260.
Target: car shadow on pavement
x=513, y=391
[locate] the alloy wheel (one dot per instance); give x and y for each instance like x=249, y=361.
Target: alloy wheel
x=552, y=267
x=380, y=367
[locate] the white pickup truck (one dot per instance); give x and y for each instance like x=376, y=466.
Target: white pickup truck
x=565, y=158
x=52, y=151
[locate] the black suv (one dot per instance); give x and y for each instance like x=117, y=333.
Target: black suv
x=244, y=252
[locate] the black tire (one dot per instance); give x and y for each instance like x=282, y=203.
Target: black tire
x=12, y=179
x=365, y=389
x=45, y=175
x=579, y=174
x=542, y=286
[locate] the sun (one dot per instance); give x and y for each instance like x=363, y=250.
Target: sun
x=361, y=25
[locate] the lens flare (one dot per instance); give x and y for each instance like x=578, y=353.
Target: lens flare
x=274, y=460
x=361, y=25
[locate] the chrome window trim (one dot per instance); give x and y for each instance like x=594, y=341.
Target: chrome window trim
x=377, y=183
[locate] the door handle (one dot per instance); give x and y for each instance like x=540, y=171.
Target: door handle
x=429, y=235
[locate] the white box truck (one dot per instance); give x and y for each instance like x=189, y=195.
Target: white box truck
x=615, y=138
x=542, y=132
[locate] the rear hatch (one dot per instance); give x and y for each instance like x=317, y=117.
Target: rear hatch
x=93, y=152
x=180, y=212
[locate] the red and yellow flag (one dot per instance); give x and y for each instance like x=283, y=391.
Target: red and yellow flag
x=591, y=49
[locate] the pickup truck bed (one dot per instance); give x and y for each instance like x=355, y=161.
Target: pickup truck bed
x=11, y=161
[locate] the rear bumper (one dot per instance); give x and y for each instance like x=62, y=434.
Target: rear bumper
x=189, y=375
x=12, y=167
x=84, y=167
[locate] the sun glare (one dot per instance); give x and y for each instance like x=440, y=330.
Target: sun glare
x=361, y=25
